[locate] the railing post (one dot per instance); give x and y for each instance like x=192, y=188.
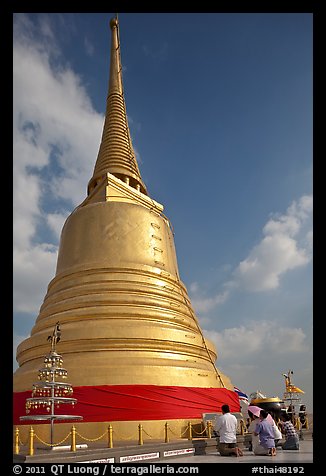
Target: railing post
x=209, y=429
x=140, y=431
x=73, y=439
x=307, y=423
x=16, y=448
x=242, y=432
x=190, y=431
x=31, y=441
x=166, y=432
x=110, y=435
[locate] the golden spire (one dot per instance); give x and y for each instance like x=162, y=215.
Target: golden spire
x=116, y=154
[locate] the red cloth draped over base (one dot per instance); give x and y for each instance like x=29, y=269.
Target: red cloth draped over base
x=136, y=402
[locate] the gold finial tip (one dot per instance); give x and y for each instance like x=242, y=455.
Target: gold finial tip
x=113, y=23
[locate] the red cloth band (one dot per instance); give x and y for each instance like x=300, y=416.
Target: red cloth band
x=137, y=402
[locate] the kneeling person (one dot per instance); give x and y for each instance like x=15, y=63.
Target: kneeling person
x=265, y=431
x=291, y=436
x=226, y=426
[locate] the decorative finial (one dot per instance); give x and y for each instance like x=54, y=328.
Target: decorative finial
x=113, y=22
x=55, y=337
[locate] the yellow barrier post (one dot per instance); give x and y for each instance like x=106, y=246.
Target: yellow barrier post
x=190, y=431
x=110, y=435
x=140, y=431
x=73, y=439
x=209, y=429
x=242, y=430
x=31, y=442
x=16, y=448
x=166, y=432
x=307, y=423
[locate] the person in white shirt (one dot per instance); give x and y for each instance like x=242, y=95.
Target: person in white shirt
x=226, y=426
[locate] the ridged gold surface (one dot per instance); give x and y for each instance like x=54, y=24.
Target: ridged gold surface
x=126, y=317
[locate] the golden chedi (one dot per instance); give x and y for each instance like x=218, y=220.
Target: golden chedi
x=131, y=342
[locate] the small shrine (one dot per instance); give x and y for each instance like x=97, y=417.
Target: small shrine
x=50, y=392
x=293, y=401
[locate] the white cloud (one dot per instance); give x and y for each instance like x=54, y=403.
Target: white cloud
x=34, y=268
x=50, y=97
x=284, y=247
x=202, y=304
x=275, y=255
x=256, y=337
x=55, y=222
x=279, y=250
x=56, y=132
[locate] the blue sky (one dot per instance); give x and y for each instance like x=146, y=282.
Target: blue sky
x=220, y=113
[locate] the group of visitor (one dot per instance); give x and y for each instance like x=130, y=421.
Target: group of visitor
x=266, y=435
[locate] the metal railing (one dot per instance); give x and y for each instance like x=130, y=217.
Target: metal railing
x=190, y=432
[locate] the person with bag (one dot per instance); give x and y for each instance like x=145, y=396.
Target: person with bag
x=254, y=414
